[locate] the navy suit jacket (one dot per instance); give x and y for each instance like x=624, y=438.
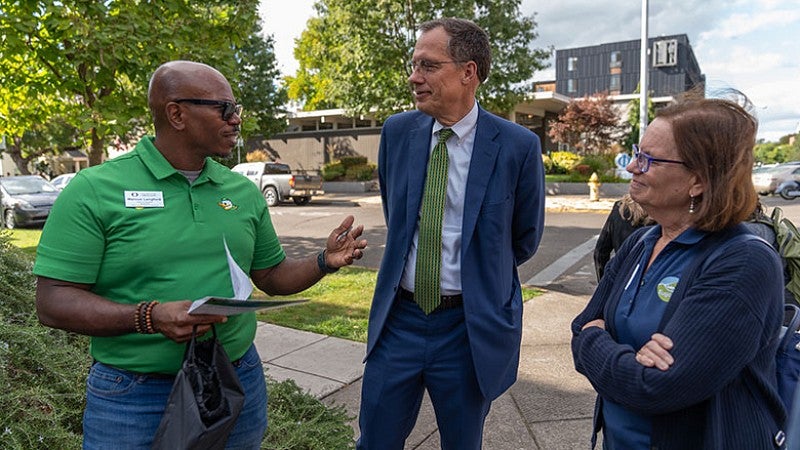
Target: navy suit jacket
x=502, y=225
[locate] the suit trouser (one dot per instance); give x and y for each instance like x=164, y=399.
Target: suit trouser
x=417, y=352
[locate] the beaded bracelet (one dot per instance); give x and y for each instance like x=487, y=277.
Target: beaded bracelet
x=136, y=325
x=148, y=317
x=143, y=322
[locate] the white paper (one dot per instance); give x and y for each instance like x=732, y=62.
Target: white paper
x=242, y=286
x=240, y=281
x=231, y=306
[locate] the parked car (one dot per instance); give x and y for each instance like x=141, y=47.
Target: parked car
x=26, y=200
x=278, y=183
x=61, y=181
x=766, y=179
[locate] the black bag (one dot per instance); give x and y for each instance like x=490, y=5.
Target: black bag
x=205, y=401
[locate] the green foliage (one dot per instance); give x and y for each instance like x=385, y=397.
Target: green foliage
x=632, y=137
x=298, y=421
x=333, y=171
x=349, y=168
x=362, y=172
x=547, y=162
x=350, y=161
x=42, y=370
x=599, y=164
x=260, y=94
x=354, y=54
x=90, y=62
x=774, y=152
x=564, y=162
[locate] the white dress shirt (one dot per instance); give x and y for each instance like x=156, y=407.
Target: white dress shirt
x=459, y=151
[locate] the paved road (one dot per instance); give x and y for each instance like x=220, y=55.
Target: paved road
x=565, y=248
x=562, y=263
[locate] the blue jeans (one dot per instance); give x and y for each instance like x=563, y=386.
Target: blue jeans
x=123, y=409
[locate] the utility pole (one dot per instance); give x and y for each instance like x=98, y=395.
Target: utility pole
x=643, y=74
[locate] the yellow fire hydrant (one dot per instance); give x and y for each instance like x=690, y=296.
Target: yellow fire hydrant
x=594, y=187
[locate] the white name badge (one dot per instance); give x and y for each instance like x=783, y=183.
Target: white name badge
x=144, y=199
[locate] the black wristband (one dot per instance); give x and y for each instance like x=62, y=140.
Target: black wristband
x=323, y=266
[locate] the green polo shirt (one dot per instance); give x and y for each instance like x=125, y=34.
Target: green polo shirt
x=135, y=229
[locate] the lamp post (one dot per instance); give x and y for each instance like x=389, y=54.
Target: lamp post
x=643, y=74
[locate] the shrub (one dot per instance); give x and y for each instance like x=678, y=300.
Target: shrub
x=547, y=162
x=361, y=172
x=350, y=168
x=351, y=161
x=42, y=370
x=597, y=163
x=333, y=171
x=298, y=421
x=564, y=162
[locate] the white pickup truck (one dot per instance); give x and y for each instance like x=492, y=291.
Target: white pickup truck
x=278, y=183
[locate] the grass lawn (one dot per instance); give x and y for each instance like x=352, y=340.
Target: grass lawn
x=25, y=238
x=339, y=303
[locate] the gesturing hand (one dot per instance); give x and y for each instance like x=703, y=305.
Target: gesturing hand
x=343, y=246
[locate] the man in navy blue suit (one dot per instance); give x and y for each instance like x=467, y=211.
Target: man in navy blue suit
x=466, y=351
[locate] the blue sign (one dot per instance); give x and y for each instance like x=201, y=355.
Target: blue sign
x=622, y=160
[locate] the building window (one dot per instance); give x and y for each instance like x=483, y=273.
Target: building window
x=616, y=59
x=614, y=84
x=572, y=85
x=572, y=63
x=665, y=53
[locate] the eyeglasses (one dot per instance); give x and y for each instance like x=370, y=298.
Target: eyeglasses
x=428, y=66
x=228, y=108
x=643, y=161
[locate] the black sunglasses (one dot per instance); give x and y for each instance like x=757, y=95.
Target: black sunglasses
x=228, y=108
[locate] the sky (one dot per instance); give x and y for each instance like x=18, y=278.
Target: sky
x=749, y=45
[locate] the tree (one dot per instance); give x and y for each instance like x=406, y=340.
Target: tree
x=34, y=125
x=354, y=54
x=258, y=90
x=590, y=125
x=99, y=55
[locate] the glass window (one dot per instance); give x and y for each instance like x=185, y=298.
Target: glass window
x=572, y=63
x=616, y=59
x=614, y=83
x=572, y=85
x=665, y=53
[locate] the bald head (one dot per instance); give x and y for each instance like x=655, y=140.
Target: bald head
x=183, y=79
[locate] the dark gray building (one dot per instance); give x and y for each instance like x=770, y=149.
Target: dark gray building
x=614, y=68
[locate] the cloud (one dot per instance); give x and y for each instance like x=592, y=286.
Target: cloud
x=747, y=44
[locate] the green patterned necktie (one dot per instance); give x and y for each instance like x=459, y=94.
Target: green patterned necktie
x=427, y=282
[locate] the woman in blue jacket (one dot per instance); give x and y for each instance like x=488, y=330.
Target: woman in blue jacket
x=696, y=371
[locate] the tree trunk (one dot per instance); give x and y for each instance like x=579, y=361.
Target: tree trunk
x=97, y=150
x=14, y=151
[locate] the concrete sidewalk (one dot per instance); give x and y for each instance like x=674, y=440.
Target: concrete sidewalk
x=549, y=407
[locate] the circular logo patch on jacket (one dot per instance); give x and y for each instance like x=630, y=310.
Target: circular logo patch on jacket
x=666, y=287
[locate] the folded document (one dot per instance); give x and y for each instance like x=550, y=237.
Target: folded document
x=231, y=306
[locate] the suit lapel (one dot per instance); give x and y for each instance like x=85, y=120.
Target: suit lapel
x=484, y=155
x=419, y=142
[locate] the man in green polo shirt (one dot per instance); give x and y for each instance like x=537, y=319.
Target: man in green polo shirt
x=131, y=242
